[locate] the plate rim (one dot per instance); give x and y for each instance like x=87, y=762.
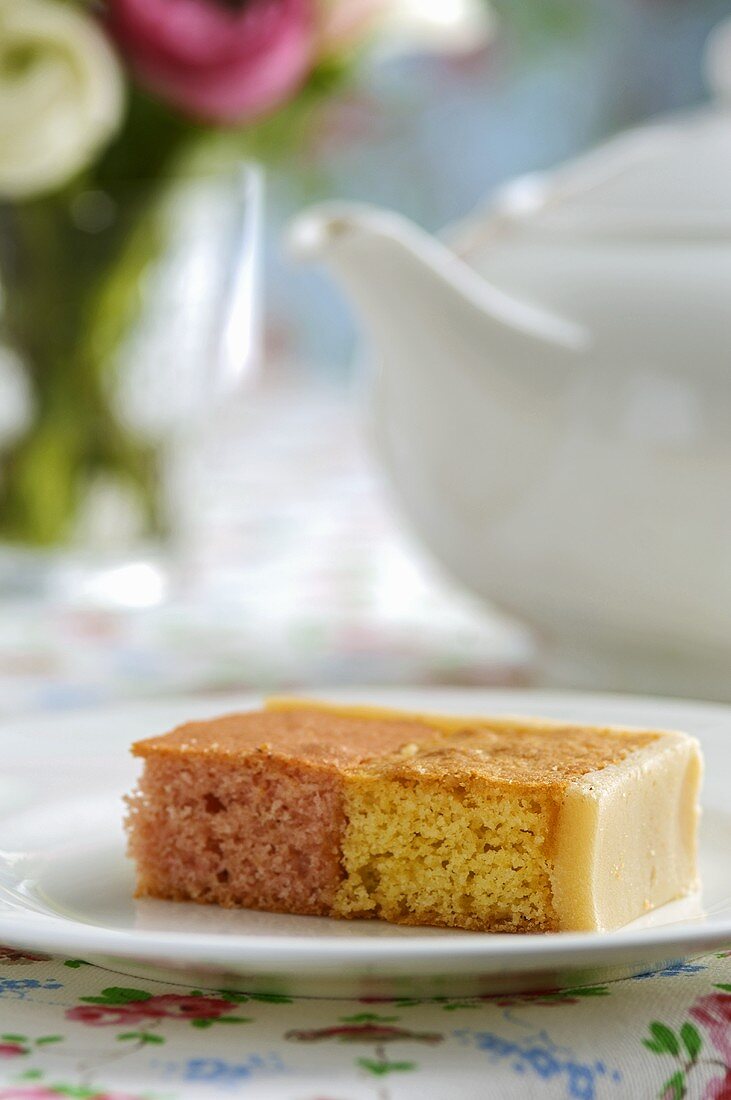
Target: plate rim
x=55, y=933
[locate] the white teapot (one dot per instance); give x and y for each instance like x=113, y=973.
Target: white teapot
x=552, y=395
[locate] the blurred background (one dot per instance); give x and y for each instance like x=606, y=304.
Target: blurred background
x=432, y=135
x=187, y=499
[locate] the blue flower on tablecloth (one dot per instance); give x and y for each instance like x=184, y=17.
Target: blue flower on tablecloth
x=220, y=1073
x=542, y=1062
x=672, y=970
x=541, y=1056
x=19, y=988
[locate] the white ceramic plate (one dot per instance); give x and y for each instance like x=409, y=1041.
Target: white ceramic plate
x=66, y=887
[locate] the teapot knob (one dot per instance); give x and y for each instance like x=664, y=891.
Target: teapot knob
x=717, y=60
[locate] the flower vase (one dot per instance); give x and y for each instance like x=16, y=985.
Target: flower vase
x=127, y=311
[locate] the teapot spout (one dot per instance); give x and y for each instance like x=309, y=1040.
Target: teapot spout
x=420, y=301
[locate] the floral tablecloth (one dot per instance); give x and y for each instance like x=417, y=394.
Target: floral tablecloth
x=292, y=570
x=301, y=576
x=71, y=1029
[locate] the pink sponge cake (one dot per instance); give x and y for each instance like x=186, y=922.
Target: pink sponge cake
x=494, y=824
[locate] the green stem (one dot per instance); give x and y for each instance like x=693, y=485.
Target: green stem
x=69, y=296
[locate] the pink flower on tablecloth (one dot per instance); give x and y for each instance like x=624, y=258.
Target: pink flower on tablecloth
x=176, y=1007
x=215, y=59
x=11, y=1050
x=52, y=1092
x=713, y=1012
x=107, y=1015
x=363, y=1033
x=31, y=1092
x=169, y=1006
x=720, y=1089
x=10, y=956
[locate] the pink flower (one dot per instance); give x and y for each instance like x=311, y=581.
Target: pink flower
x=28, y=1092
x=714, y=1014
x=11, y=1050
x=52, y=1092
x=171, y=1006
x=174, y=1006
x=223, y=61
x=106, y=1015
x=11, y=955
x=364, y=1033
x=720, y=1088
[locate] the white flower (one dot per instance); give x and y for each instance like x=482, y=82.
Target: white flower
x=435, y=26
x=408, y=26
x=61, y=94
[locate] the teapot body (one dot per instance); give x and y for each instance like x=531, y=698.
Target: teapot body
x=601, y=516
x=551, y=395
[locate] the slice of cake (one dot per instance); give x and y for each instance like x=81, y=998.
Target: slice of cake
x=496, y=824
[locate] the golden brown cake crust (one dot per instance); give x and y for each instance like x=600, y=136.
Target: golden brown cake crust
x=504, y=753
x=531, y=759
x=307, y=734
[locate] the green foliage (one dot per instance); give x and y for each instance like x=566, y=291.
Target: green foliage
x=674, y=1088
x=663, y=1041
x=691, y=1040
x=70, y=297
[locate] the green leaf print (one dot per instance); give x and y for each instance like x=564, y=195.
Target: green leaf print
x=586, y=991
x=380, y=1069
x=674, y=1087
x=368, y=1018
x=144, y=1037
x=13, y=1038
x=691, y=1039
x=271, y=998
x=725, y=988
x=664, y=1040
x=230, y=1020
x=78, y=1092
x=118, y=995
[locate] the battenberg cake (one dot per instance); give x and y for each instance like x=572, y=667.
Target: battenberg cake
x=495, y=824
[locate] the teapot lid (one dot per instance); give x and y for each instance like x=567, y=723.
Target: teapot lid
x=668, y=179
